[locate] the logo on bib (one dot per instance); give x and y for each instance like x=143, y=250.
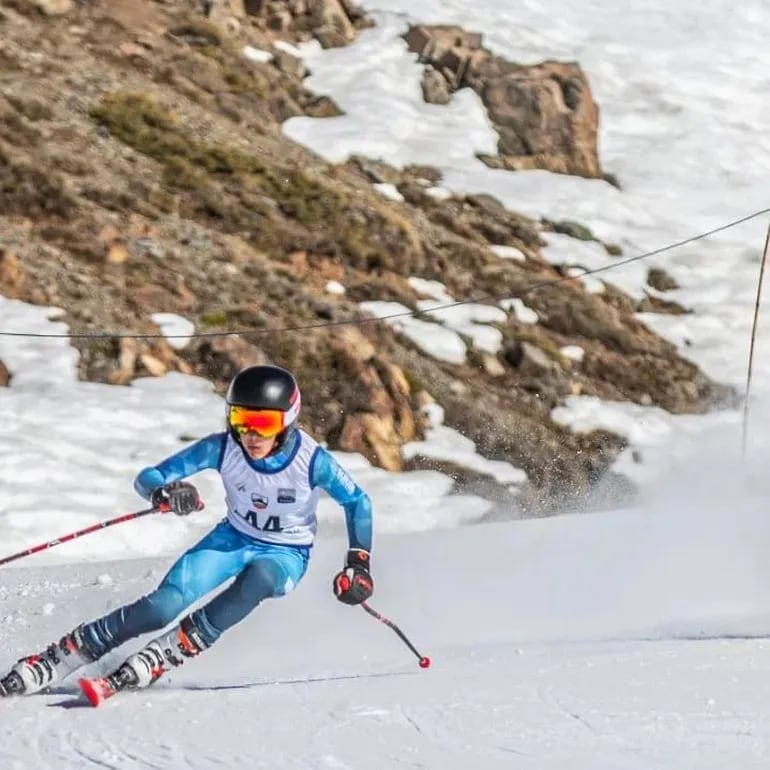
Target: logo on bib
x=287, y=496
x=259, y=501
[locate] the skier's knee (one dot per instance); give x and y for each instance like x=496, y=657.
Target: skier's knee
x=162, y=607
x=262, y=580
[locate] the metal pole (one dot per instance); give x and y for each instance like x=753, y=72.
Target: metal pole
x=81, y=532
x=753, y=339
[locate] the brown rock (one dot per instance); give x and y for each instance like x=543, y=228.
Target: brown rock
x=374, y=437
x=435, y=89
x=544, y=114
x=148, y=299
x=660, y=280
x=219, y=358
x=652, y=304
x=11, y=275
x=254, y=7
x=55, y=7
x=280, y=21
x=378, y=397
x=492, y=365
x=129, y=50
x=530, y=360
x=321, y=107
x=394, y=379
x=187, y=299
x=108, y=234
x=299, y=263
x=140, y=16
x=117, y=253
x=154, y=365
x=350, y=342
x=223, y=10
x=5, y=376
x=290, y=64
x=332, y=27
x=195, y=130
x=123, y=373
x=427, y=40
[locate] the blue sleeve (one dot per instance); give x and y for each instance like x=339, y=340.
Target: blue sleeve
x=202, y=455
x=327, y=473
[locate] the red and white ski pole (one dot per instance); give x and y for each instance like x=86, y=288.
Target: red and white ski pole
x=163, y=508
x=424, y=660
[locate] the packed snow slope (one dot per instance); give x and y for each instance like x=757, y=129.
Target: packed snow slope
x=608, y=640
x=627, y=640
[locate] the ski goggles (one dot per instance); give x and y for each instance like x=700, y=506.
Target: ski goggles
x=265, y=422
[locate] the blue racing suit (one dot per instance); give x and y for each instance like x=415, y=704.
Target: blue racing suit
x=261, y=569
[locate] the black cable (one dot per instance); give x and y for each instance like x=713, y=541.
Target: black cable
x=409, y=313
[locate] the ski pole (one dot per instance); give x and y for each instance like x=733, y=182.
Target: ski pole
x=424, y=660
x=163, y=508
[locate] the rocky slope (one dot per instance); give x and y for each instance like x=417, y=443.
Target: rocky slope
x=143, y=169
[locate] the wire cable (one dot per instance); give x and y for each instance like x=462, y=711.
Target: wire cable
x=409, y=313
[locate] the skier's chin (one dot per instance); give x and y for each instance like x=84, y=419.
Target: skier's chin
x=258, y=450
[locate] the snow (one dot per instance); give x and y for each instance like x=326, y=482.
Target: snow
x=388, y=191
x=175, y=328
x=88, y=441
x=572, y=642
x=431, y=338
x=683, y=133
x=374, y=78
x=335, y=287
x=573, y=352
x=460, y=319
x=283, y=45
x=439, y=193
x=524, y=314
x=444, y=443
x=508, y=252
x=620, y=640
x=257, y=54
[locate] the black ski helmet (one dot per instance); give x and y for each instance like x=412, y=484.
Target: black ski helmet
x=266, y=387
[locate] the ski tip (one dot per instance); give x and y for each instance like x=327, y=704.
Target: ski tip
x=96, y=690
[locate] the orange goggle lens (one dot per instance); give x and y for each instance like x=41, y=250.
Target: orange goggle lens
x=265, y=422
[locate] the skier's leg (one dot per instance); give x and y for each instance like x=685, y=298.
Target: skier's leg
x=273, y=571
x=218, y=556
x=57, y=661
x=169, y=650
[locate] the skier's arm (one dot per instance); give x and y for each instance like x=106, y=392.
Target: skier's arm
x=202, y=455
x=327, y=473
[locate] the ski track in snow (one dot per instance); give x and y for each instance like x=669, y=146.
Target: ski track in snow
x=517, y=682
x=632, y=640
x=588, y=707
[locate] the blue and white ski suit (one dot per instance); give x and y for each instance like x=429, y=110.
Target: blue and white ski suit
x=264, y=542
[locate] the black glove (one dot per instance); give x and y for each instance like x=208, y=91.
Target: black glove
x=180, y=496
x=354, y=584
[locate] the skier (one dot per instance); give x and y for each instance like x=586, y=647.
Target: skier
x=272, y=473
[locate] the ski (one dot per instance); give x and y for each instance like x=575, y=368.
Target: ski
x=98, y=689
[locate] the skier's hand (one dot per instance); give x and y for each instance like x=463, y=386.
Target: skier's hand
x=180, y=496
x=354, y=584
